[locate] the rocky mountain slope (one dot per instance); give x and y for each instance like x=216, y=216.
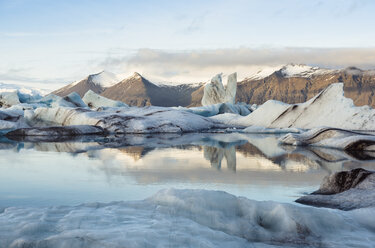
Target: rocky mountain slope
x=96, y=82
x=138, y=91
x=290, y=83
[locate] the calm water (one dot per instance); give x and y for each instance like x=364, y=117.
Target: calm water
x=132, y=167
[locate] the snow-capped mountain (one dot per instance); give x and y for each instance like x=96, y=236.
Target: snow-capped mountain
x=291, y=83
x=137, y=90
x=96, y=82
x=290, y=70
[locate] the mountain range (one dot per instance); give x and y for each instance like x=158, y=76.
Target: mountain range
x=289, y=83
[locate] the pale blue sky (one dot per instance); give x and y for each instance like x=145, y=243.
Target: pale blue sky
x=53, y=42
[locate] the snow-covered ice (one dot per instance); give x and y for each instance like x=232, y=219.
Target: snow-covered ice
x=186, y=218
x=8, y=99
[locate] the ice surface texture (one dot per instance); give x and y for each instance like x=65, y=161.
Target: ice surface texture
x=186, y=218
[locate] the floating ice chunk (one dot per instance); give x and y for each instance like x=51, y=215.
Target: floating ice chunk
x=11, y=119
x=331, y=138
x=214, y=92
x=219, y=108
x=344, y=190
x=25, y=94
x=75, y=99
x=94, y=100
x=8, y=99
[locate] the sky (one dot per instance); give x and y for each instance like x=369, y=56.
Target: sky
x=48, y=44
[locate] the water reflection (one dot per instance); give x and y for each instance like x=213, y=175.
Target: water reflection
x=91, y=168
x=215, y=147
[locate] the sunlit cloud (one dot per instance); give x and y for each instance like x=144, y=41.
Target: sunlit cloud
x=200, y=65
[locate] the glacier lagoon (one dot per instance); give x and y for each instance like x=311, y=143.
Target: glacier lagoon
x=44, y=185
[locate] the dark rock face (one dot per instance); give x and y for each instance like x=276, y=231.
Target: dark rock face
x=342, y=181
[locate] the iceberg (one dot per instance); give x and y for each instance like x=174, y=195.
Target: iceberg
x=215, y=92
x=344, y=190
x=331, y=138
x=94, y=100
x=73, y=100
x=219, y=108
x=24, y=94
x=8, y=99
x=11, y=119
x=328, y=108
x=124, y=120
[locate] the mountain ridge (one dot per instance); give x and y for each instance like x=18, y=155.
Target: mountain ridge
x=291, y=83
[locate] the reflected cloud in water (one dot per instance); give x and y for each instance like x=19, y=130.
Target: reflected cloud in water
x=135, y=166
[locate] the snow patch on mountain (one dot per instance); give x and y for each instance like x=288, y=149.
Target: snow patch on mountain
x=289, y=70
x=104, y=79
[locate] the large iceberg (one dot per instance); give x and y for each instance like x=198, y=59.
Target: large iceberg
x=185, y=218
x=124, y=120
x=215, y=92
x=328, y=108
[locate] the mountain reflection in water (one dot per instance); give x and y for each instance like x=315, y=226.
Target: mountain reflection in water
x=91, y=168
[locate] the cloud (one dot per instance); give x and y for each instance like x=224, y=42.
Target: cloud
x=200, y=65
x=21, y=76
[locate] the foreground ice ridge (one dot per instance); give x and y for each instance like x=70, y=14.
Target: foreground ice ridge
x=331, y=138
x=185, y=218
x=344, y=190
x=215, y=92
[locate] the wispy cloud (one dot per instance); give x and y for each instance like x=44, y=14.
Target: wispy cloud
x=70, y=33
x=190, y=66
